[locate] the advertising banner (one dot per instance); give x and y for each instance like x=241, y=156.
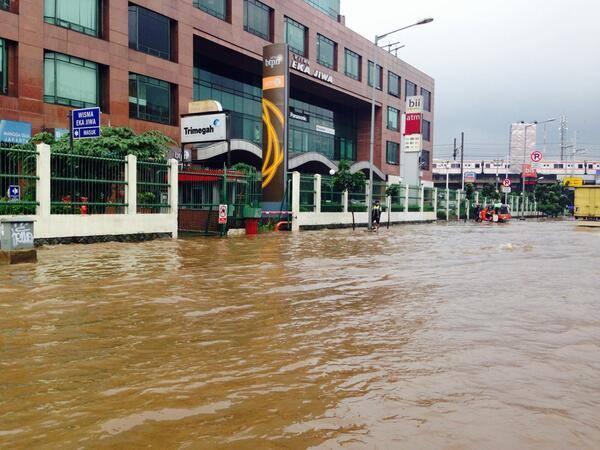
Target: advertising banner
x=13, y=132
x=521, y=146
x=412, y=124
x=200, y=128
x=275, y=117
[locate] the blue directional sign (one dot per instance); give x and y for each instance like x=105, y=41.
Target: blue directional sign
x=85, y=123
x=14, y=192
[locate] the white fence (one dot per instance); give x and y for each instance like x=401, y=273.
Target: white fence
x=49, y=226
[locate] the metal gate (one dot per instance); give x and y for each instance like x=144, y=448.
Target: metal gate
x=201, y=191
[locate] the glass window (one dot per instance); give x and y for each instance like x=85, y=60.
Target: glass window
x=411, y=89
x=149, y=32
x=70, y=81
x=149, y=99
x=393, y=84
x=426, y=99
x=3, y=67
x=295, y=36
x=352, y=63
x=326, y=50
x=257, y=19
x=217, y=8
x=5, y=4
x=329, y=7
x=78, y=15
x=426, y=130
x=392, y=154
x=392, y=118
x=424, y=159
x=378, y=75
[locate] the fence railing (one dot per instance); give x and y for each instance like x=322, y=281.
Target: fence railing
x=87, y=184
x=331, y=199
x=357, y=201
x=414, y=199
x=18, y=180
x=307, y=193
x=153, y=187
x=428, y=199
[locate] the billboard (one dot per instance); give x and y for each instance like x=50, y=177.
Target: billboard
x=275, y=116
x=521, y=145
x=203, y=128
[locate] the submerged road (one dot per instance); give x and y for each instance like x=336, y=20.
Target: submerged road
x=459, y=336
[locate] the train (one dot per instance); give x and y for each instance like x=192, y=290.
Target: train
x=493, y=167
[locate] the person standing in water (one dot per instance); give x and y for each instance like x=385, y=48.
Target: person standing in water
x=376, y=215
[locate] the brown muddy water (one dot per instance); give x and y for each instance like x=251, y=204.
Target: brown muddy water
x=456, y=336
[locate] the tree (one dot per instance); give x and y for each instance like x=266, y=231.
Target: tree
x=343, y=180
x=552, y=199
x=469, y=191
x=489, y=191
x=115, y=142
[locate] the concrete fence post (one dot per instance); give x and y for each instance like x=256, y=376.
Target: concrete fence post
x=476, y=198
x=295, y=200
x=42, y=192
x=174, y=195
x=435, y=202
x=131, y=186
x=447, y=205
x=422, y=199
x=345, y=201
x=406, y=197
x=458, y=200
x=317, y=190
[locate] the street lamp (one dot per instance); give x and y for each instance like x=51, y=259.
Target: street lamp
x=525, y=159
x=372, y=139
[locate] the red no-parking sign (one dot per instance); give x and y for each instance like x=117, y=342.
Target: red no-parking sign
x=222, y=214
x=506, y=182
x=536, y=156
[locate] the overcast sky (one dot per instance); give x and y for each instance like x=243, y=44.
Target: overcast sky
x=497, y=62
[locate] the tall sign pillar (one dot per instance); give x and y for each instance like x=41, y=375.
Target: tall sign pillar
x=276, y=88
x=413, y=141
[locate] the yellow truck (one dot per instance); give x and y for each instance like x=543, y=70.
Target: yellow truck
x=587, y=205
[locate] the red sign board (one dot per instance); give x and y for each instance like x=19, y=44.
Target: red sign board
x=412, y=124
x=506, y=182
x=529, y=171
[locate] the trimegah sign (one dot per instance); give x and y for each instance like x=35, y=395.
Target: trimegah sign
x=413, y=143
x=199, y=128
x=275, y=116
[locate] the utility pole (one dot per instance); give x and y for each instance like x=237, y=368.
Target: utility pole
x=462, y=160
x=563, y=137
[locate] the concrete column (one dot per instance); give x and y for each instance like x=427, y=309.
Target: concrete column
x=447, y=205
x=406, y=198
x=317, y=193
x=388, y=204
x=345, y=201
x=458, y=204
x=422, y=199
x=476, y=198
x=42, y=192
x=174, y=195
x=435, y=201
x=295, y=200
x=131, y=189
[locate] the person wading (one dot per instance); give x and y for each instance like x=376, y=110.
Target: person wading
x=376, y=215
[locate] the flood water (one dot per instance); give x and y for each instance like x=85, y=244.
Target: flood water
x=460, y=336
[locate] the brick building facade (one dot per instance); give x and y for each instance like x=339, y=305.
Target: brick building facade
x=146, y=83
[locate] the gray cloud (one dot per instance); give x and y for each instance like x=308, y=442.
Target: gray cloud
x=497, y=62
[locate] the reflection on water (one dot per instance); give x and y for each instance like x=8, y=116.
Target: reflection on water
x=431, y=336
